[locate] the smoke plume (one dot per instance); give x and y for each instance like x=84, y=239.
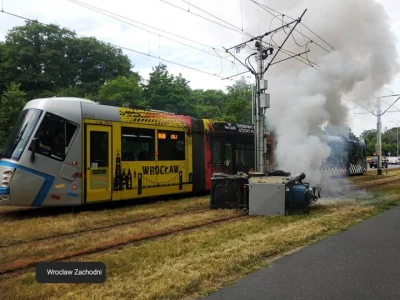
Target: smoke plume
x=304, y=99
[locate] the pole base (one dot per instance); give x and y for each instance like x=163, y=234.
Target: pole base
x=379, y=172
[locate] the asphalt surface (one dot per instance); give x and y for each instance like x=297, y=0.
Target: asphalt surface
x=389, y=167
x=361, y=263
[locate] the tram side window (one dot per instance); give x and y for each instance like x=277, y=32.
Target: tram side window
x=99, y=148
x=217, y=152
x=138, y=144
x=244, y=157
x=171, y=145
x=55, y=135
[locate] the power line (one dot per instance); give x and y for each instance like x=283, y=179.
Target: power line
x=391, y=105
x=202, y=10
x=122, y=47
x=289, y=53
x=392, y=93
x=200, y=16
x=366, y=120
x=234, y=28
x=112, y=15
x=266, y=7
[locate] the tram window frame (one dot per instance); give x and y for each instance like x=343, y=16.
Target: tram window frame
x=217, y=151
x=141, y=136
x=169, y=143
x=68, y=134
x=244, y=156
x=99, y=148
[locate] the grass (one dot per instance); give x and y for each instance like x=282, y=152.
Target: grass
x=192, y=264
x=372, y=176
x=27, y=229
x=57, y=248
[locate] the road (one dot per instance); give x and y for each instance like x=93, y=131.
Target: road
x=389, y=167
x=360, y=263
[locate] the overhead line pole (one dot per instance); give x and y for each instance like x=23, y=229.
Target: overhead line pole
x=262, y=99
x=379, y=128
x=379, y=114
x=287, y=36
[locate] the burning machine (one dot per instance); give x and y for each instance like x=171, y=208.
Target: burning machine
x=280, y=195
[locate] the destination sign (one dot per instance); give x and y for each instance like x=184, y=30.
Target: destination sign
x=232, y=127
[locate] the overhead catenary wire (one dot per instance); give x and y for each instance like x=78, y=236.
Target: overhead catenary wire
x=390, y=105
x=283, y=22
x=287, y=36
x=232, y=27
x=290, y=53
x=269, y=8
x=392, y=93
x=202, y=10
x=241, y=12
x=118, y=46
x=386, y=110
x=200, y=16
x=119, y=18
x=287, y=52
x=366, y=120
x=150, y=26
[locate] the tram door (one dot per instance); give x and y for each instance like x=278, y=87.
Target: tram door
x=98, y=163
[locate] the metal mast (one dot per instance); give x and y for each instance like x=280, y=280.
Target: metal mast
x=262, y=99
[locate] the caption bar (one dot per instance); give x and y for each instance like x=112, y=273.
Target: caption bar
x=70, y=272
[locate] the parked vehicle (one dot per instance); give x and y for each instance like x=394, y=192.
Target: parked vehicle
x=393, y=160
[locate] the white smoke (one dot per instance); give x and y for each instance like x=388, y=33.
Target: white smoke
x=302, y=98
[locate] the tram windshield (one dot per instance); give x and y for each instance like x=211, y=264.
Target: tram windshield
x=338, y=155
x=21, y=133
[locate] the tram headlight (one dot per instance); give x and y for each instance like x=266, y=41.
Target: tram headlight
x=7, y=175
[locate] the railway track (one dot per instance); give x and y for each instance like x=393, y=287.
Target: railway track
x=369, y=187
x=7, y=212
x=7, y=272
x=102, y=228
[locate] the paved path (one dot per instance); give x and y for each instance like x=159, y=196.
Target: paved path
x=361, y=263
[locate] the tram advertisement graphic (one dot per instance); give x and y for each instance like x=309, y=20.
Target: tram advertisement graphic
x=160, y=170
x=124, y=177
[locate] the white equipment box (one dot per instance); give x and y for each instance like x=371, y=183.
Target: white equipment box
x=267, y=195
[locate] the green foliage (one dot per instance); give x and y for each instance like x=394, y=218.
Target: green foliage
x=70, y=91
x=238, y=108
x=122, y=89
x=389, y=141
x=164, y=91
x=210, y=104
x=93, y=62
x=12, y=102
x=46, y=59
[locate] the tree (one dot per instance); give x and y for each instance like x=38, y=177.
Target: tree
x=34, y=56
x=209, y=104
x=238, y=107
x=163, y=91
x=71, y=91
x=369, y=134
x=93, y=62
x=12, y=102
x=2, y=55
x=122, y=89
x=46, y=59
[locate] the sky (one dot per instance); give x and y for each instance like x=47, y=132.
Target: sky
x=200, y=49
